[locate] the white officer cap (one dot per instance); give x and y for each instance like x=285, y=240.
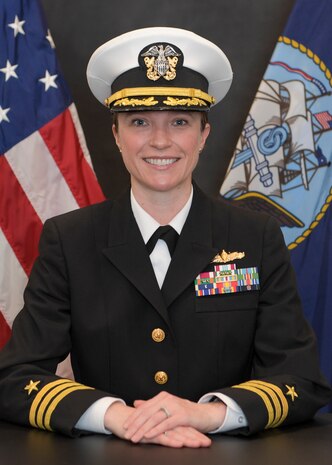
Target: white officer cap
x=159, y=68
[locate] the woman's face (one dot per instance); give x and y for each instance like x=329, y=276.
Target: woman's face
x=160, y=149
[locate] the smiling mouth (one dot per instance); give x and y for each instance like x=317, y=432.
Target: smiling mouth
x=161, y=161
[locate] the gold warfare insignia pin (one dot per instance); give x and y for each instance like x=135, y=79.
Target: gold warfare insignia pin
x=224, y=257
x=291, y=392
x=32, y=386
x=161, y=60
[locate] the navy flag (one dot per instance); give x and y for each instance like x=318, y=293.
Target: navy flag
x=282, y=161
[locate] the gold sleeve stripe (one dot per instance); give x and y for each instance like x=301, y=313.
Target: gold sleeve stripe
x=281, y=399
x=43, y=406
x=265, y=399
x=273, y=398
x=57, y=400
x=39, y=397
x=47, y=397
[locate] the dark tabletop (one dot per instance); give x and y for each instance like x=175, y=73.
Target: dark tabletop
x=307, y=444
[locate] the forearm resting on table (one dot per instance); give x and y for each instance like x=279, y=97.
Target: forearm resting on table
x=93, y=419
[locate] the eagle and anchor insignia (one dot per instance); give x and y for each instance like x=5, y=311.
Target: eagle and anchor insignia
x=161, y=60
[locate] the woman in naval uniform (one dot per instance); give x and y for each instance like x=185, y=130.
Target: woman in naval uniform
x=180, y=312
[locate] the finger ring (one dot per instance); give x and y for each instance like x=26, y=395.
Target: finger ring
x=166, y=412
x=165, y=433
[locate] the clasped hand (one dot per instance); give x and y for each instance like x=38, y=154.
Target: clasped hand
x=167, y=420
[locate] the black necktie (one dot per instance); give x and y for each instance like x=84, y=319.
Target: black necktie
x=167, y=234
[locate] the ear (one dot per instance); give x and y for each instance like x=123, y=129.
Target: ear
x=116, y=136
x=204, y=135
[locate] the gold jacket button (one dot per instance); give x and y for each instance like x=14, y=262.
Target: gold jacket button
x=158, y=335
x=161, y=377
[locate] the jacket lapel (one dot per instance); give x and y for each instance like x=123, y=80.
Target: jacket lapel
x=204, y=234
x=197, y=246
x=127, y=252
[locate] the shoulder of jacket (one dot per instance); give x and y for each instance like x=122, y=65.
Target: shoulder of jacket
x=239, y=212
x=83, y=213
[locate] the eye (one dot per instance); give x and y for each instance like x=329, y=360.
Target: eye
x=138, y=122
x=180, y=122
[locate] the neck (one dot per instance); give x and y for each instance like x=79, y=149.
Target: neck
x=162, y=206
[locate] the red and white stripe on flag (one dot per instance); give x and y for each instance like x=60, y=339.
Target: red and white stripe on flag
x=325, y=119
x=46, y=174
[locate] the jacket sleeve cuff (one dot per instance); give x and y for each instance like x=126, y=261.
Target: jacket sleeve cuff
x=92, y=419
x=234, y=417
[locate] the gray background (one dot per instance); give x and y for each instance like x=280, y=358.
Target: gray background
x=246, y=30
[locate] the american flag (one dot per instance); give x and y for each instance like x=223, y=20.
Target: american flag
x=45, y=167
x=325, y=119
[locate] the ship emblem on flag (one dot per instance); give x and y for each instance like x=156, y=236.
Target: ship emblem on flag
x=283, y=156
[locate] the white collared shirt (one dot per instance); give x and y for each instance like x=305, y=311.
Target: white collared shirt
x=93, y=418
x=160, y=256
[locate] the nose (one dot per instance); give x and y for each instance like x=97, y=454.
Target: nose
x=160, y=137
